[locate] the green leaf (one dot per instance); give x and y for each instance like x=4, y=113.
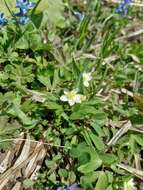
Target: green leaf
x=55, y=78
x=98, y=142
x=8, y=129
x=16, y=111
x=52, y=12
x=63, y=172
x=83, y=31
x=30, y=40
x=134, y=141
x=88, y=158
x=109, y=187
x=28, y=182
x=53, y=106
x=87, y=138
x=84, y=111
x=72, y=176
x=139, y=139
x=37, y=19
x=108, y=159
x=136, y=119
x=3, y=8
x=88, y=179
x=42, y=6
x=94, y=162
x=44, y=80
x=97, y=126
x=102, y=182
x=75, y=69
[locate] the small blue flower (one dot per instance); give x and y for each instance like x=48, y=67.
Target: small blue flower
x=123, y=7
x=62, y=188
x=24, y=7
x=24, y=20
x=26, y=4
x=71, y=187
x=3, y=20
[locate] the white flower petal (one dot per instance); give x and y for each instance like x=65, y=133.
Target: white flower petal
x=129, y=185
x=86, y=78
x=78, y=99
x=74, y=91
x=66, y=92
x=72, y=97
x=89, y=78
x=71, y=102
x=64, y=98
x=86, y=83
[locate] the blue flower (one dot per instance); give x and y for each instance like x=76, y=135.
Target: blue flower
x=24, y=4
x=24, y=20
x=123, y=7
x=24, y=7
x=71, y=187
x=3, y=20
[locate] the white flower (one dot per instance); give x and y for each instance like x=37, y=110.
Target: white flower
x=129, y=185
x=72, y=97
x=86, y=78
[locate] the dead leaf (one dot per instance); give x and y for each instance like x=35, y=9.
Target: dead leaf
x=134, y=171
x=139, y=101
x=119, y=133
x=26, y=162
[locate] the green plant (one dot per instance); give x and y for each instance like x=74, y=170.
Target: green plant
x=77, y=85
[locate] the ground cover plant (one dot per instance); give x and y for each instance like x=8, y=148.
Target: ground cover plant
x=71, y=79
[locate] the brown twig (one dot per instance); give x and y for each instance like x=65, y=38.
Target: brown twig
x=40, y=142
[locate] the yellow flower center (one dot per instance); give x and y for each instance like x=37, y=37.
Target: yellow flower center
x=129, y=188
x=71, y=95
